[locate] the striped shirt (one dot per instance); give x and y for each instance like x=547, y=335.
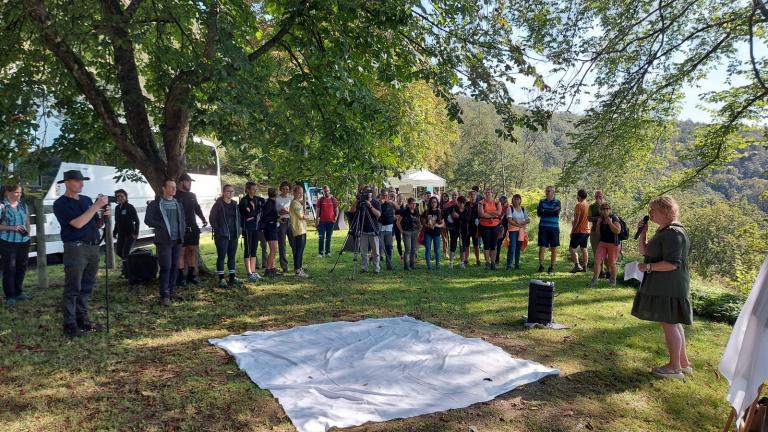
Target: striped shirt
x=12, y=217
x=549, y=212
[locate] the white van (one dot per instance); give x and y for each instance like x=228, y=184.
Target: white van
x=206, y=185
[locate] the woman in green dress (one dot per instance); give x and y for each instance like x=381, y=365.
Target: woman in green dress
x=664, y=294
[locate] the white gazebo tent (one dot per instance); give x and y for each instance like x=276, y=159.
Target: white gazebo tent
x=408, y=183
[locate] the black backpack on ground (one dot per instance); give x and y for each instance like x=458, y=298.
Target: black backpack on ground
x=141, y=266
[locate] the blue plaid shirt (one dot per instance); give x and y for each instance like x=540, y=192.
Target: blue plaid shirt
x=13, y=216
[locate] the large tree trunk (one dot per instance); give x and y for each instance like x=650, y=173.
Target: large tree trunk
x=175, y=127
x=152, y=165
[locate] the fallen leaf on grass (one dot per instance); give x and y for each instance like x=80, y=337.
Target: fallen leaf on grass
x=149, y=393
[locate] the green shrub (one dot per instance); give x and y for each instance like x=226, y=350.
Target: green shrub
x=718, y=306
x=729, y=240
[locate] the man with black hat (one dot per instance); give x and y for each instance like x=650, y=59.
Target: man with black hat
x=80, y=221
x=191, y=243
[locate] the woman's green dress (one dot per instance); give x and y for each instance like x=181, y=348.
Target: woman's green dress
x=665, y=296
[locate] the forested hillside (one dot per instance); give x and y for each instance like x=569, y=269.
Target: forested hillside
x=726, y=210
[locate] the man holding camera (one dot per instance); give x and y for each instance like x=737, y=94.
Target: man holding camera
x=80, y=221
x=369, y=218
x=191, y=240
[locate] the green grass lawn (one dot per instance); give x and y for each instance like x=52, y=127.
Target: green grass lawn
x=156, y=371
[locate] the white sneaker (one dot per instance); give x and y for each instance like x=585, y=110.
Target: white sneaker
x=321, y=256
x=300, y=273
x=254, y=277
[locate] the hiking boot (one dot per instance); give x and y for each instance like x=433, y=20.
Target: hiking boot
x=165, y=301
x=592, y=282
x=87, y=325
x=254, y=277
x=181, y=283
x=541, y=268
x=517, y=266
x=10, y=302
x=550, y=270
x=223, y=283
x=612, y=282
x=71, y=330
x=300, y=273
x=235, y=281
x=23, y=297
x=577, y=269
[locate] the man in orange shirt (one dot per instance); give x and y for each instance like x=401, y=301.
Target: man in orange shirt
x=580, y=233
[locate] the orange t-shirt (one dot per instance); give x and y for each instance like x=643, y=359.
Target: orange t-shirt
x=581, y=222
x=489, y=206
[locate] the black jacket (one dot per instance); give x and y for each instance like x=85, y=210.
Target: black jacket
x=218, y=219
x=155, y=218
x=191, y=207
x=250, y=212
x=269, y=214
x=126, y=220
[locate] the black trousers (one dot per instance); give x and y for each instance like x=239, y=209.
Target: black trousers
x=299, y=243
x=226, y=247
x=14, y=256
x=124, y=244
x=81, y=264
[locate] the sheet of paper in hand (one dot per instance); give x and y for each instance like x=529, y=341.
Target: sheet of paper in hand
x=632, y=271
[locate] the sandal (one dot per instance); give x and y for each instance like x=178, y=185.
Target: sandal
x=687, y=370
x=663, y=372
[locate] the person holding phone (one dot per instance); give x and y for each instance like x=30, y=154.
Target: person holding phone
x=126, y=229
x=433, y=222
x=609, y=247
x=14, y=243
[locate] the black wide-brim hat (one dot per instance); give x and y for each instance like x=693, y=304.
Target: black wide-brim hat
x=72, y=175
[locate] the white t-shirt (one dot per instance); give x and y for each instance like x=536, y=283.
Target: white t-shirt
x=517, y=216
x=284, y=203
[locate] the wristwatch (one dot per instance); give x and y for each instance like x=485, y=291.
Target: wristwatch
x=648, y=268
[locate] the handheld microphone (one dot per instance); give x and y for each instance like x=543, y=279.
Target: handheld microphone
x=646, y=218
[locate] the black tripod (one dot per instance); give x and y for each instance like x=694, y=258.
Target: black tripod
x=357, y=221
x=107, y=238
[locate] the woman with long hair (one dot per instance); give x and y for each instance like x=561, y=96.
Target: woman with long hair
x=433, y=223
x=299, y=229
x=14, y=243
x=517, y=220
x=269, y=219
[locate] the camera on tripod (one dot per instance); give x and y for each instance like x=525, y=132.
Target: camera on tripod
x=365, y=194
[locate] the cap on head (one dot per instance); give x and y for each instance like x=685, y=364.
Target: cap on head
x=185, y=177
x=72, y=175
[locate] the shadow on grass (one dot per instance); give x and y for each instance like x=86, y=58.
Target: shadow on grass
x=156, y=370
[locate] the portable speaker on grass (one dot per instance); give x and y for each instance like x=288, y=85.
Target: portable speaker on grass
x=541, y=299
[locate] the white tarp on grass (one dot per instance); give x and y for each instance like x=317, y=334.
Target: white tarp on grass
x=349, y=373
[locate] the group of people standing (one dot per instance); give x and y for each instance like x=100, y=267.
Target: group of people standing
x=444, y=222
x=450, y=222
x=269, y=224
